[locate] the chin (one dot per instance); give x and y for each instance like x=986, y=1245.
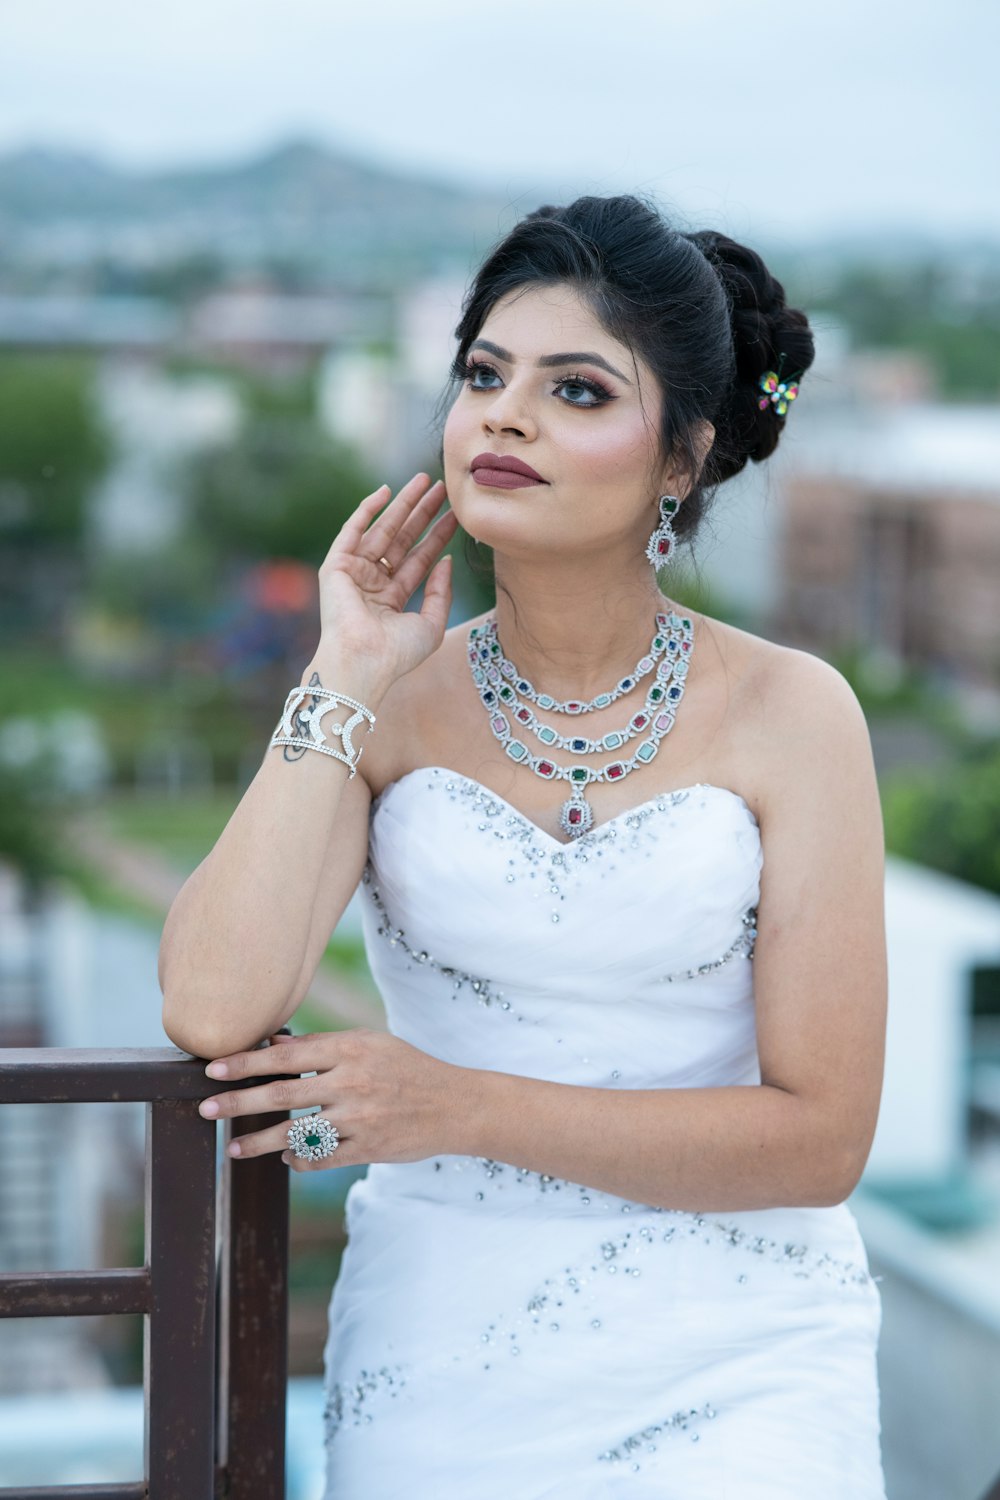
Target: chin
x=505, y=521
x=491, y=514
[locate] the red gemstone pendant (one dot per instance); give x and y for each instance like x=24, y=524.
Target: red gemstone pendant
x=576, y=816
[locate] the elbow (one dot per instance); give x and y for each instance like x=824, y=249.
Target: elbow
x=190, y=1035
x=845, y=1179
x=205, y=1032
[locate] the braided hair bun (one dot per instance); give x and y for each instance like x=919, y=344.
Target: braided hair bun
x=767, y=335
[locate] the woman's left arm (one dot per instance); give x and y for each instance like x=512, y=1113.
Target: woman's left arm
x=800, y=1137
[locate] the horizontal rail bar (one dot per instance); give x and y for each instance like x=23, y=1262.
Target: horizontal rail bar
x=136, y=1490
x=72, y=1294
x=56, y=1075
x=61, y=1075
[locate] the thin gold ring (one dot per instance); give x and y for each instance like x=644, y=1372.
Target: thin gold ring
x=387, y=565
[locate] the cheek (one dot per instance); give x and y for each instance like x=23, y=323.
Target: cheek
x=613, y=451
x=454, y=439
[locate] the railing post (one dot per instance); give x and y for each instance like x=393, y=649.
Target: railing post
x=190, y=1413
x=180, y=1326
x=253, y=1319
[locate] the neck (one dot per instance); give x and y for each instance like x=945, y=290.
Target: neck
x=574, y=632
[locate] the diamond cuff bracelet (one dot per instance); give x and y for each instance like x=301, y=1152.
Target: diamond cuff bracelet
x=303, y=726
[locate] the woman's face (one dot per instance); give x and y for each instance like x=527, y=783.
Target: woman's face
x=547, y=386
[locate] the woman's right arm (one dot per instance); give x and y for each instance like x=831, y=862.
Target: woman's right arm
x=245, y=933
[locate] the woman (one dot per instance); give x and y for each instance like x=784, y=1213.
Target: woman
x=603, y=1247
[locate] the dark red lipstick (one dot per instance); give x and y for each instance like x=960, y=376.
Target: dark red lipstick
x=503, y=473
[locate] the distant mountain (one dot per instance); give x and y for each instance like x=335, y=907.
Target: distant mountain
x=300, y=201
x=326, y=213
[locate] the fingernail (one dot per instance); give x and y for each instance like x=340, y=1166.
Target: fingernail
x=208, y=1107
x=217, y=1070
x=233, y=1148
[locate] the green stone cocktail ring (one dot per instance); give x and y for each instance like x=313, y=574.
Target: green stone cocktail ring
x=312, y=1138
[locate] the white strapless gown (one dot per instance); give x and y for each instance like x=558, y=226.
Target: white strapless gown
x=496, y=1334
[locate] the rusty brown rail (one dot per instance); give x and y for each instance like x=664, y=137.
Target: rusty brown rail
x=216, y=1319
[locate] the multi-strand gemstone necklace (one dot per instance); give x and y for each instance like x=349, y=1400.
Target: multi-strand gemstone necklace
x=501, y=686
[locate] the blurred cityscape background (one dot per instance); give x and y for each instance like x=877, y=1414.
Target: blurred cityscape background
x=211, y=350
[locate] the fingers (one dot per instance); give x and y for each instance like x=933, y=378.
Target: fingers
x=354, y=527
x=270, y=1098
x=402, y=522
x=436, y=602
x=275, y=1138
x=278, y=1058
x=413, y=569
x=397, y=545
x=376, y=535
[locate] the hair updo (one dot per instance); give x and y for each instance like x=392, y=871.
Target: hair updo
x=702, y=311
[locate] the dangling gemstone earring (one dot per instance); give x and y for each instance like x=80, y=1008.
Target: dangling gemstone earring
x=661, y=545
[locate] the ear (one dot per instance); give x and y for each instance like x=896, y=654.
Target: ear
x=677, y=479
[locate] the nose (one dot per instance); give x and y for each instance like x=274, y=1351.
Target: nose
x=509, y=412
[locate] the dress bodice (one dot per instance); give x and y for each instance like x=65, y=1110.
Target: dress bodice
x=620, y=959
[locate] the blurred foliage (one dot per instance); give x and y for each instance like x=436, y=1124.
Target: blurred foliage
x=53, y=447
x=886, y=688
x=31, y=816
x=933, y=307
x=181, y=829
x=170, y=590
x=282, y=488
x=951, y=823
x=134, y=714
x=946, y=817
x=288, y=393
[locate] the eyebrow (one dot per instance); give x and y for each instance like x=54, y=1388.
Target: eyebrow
x=548, y=361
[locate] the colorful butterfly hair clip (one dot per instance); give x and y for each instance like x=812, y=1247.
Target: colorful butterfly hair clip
x=776, y=392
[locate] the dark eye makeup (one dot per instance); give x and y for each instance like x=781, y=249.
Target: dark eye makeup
x=469, y=370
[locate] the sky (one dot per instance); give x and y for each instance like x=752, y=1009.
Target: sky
x=785, y=120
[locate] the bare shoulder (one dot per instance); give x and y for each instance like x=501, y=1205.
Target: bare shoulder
x=761, y=670
x=817, y=732
x=794, y=723
x=807, y=740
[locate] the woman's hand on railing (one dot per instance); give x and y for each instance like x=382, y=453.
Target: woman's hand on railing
x=389, y=1101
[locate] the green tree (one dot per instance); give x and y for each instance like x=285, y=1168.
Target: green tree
x=283, y=489
x=53, y=448
x=30, y=833
x=952, y=822
x=936, y=307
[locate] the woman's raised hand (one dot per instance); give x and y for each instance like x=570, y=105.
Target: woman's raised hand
x=363, y=611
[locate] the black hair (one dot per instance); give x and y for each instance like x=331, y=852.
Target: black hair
x=703, y=312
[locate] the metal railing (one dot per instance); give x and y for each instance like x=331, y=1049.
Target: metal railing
x=216, y=1320
x=213, y=1289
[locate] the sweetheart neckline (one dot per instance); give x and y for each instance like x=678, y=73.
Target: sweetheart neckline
x=543, y=833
